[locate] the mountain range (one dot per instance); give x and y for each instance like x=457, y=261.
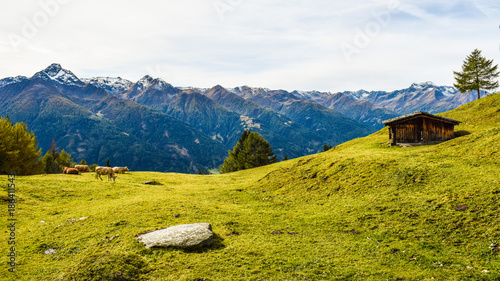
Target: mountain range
x=152, y=125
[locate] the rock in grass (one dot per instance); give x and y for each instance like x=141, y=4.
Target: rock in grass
x=179, y=236
x=50, y=252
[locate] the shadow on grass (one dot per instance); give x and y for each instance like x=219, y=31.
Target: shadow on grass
x=461, y=133
x=217, y=245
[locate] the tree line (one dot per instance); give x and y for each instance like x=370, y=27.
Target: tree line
x=19, y=152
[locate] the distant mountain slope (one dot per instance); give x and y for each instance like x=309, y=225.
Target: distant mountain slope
x=418, y=97
x=91, y=124
x=368, y=108
x=207, y=116
x=151, y=92
x=291, y=137
x=326, y=122
x=359, y=110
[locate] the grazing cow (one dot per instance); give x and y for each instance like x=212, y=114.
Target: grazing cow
x=70, y=171
x=82, y=168
x=120, y=170
x=104, y=171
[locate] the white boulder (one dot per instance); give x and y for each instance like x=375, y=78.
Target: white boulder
x=179, y=236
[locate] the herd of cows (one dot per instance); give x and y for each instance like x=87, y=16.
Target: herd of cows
x=98, y=171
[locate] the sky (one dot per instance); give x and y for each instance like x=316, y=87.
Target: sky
x=324, y=45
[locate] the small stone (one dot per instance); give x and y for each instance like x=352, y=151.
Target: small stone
x=461, y=208
x=494, y=247
x=176, y=215
x=277, y=232
x=50, y=252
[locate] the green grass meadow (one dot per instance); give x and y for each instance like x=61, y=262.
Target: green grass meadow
x=362, y=211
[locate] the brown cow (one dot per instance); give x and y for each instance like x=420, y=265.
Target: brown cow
x=120, y=170
x=71, y=171
x=82, y=168
x=105, y=171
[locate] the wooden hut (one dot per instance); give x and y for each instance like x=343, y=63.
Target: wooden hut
x=420, y=127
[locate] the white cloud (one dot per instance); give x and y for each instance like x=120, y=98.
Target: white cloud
x=274, y=43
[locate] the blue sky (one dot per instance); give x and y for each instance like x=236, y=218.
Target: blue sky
x=325, y=45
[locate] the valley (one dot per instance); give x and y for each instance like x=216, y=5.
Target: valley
x=151, y=125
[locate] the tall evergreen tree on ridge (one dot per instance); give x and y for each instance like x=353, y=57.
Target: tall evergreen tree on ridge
x=477, y=73
x=251, y=151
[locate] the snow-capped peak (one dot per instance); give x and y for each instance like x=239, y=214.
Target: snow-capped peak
x=12, y=80
x=449, y=91
x=160, y=84
x=423, y=85
x=53, y=70
x=248, y=89
x=359, y=95
x=58, y=74
x=143, y=83
x=113, y=85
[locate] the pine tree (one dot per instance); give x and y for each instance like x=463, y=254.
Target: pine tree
x=251, y=151
x=477, y=74
x=49, y=164
x=286, y=157
x=65, y=159
x=53, y=149
x=54, y=161
x=83, y=162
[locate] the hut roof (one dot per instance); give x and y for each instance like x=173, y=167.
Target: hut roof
x=418, y=114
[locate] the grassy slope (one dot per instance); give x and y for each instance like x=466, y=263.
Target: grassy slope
x=361, y=211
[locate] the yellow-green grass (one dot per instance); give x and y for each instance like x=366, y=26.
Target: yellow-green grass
x=361, y=211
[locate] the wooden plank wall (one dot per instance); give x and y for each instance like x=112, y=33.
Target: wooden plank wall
x=408, y=132
x=437, y=131
x=421, y=130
